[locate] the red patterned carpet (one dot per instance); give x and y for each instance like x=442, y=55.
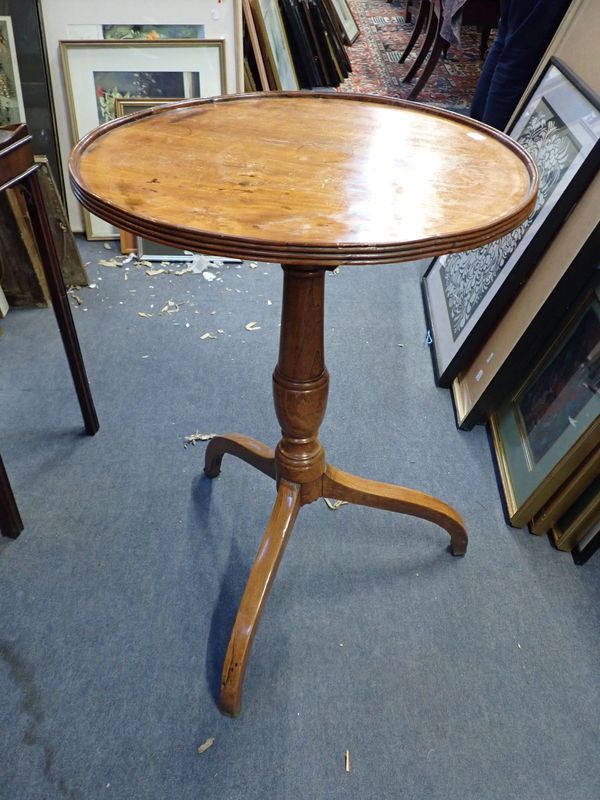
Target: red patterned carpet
x=375, y=55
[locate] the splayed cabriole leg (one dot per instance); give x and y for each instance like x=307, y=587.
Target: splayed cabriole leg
x=249, y=450
x=339, y=485
x=300, y=387
x=255, y=595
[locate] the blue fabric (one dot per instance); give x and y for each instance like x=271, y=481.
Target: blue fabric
x=524, y=32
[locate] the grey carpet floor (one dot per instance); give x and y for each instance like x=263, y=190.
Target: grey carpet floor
x=444, y=678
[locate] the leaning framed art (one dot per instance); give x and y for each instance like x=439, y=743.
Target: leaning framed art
x=12, y=108
x=269, y=23
x=98, y=73
x=522, y=333
x=465, y=293
x=546, y=429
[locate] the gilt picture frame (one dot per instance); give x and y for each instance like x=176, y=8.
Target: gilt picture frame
x=347, y=20
x=98, y=72
x=275, y=44
x=551, y=424
x=482, y=385
x=465, y=293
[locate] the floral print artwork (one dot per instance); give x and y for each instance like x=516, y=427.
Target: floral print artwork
x=467, y=277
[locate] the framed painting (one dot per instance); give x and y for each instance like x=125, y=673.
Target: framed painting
x=275, y=45
x=255, y=60
x=151, y=32
x=347, y=20
x=551, y=424
x=465, y=293
x=579, y=520
x=562, y=500
x=98, y=73
x=12, y=108
x=540, y=307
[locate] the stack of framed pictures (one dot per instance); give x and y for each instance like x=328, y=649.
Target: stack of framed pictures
x=549, y=426
x=300, y=43
x=535, y=380
x=466, y=293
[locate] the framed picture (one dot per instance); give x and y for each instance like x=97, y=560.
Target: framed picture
x=255, y=61
x=151, y=32
x=541, y=306
x=562, y=500
x=552, y=423
x=275, y=44
x=465, y=293
x=12, y=108
x=347, y=20
x=582, y=518
x=98, y=73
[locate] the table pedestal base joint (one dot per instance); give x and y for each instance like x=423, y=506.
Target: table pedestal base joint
x=291, y=496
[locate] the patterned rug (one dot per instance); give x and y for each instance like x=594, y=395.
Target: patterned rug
x=376, y=52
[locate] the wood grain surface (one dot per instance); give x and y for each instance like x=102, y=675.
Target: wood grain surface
x=305, y=178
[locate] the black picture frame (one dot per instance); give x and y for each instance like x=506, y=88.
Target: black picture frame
x=559, y=124
x=546, y=317
x=33, y=68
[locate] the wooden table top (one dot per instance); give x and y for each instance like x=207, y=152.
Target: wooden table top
x=305, y=178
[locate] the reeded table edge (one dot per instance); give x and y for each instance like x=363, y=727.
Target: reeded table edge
x=297, y=254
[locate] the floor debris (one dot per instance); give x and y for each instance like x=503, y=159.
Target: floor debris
x=205, y=745
x=252, y=326
x=198, y=437
x=347, y=761
x=335, y=504
x=208, y=335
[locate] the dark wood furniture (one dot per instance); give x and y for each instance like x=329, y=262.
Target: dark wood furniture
x=311, y=181
x=482, y=13
x=19, y=169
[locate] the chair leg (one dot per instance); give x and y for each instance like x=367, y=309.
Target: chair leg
x=419, y=23
x=429, y=67
x=58, y=296
x=11, y=524
x=433, y=24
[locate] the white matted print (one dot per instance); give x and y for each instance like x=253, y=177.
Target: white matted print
x=97, y=73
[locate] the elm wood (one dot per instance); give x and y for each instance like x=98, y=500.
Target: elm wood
x=260, y=580
x=300, y=387
x=250, y=450
x=11, y=523
x=339, y=485
x=250, y=182
x=261, y=188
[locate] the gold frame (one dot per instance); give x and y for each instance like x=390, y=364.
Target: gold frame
x=255, y=44
x=257, y=10
x=562, y=471
x=567, y=532
x=569, y=492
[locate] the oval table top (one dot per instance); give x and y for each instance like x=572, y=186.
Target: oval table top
x=305, y=178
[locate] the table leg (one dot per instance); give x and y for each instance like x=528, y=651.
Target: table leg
x=11, y=524
x=255, y=595
x=249, y=450
x=300, y=388
x=60, y=303
x=339, y=485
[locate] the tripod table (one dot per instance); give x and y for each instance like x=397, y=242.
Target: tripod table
x=311, y=181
